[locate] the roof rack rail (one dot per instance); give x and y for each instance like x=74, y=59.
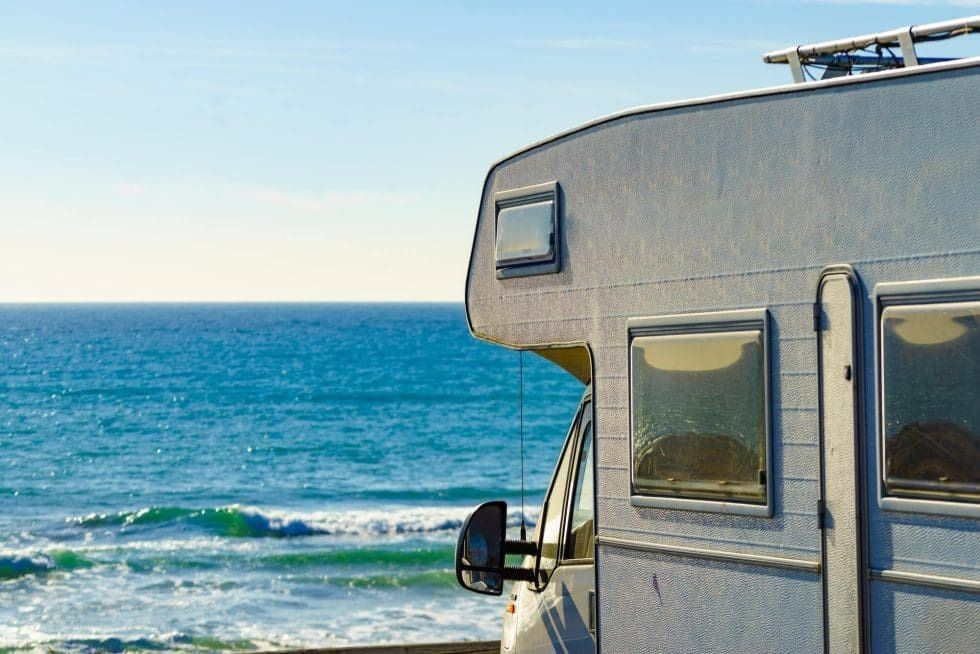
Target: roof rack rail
x=836, y=60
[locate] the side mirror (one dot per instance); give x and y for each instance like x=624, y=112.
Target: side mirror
x=482, y=547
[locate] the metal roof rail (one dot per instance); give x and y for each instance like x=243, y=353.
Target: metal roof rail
x=835, y=57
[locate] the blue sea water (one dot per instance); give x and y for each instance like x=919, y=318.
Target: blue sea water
x=206, y=477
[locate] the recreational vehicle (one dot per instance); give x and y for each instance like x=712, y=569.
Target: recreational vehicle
x=772, y=300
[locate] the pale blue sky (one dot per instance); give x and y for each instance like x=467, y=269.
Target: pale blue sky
x=328, y=151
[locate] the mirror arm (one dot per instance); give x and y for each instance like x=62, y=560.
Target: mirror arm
x=518, y=574
x=525, y=547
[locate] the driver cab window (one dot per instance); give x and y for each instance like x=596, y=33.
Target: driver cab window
x=579, y=541
x=551, y=518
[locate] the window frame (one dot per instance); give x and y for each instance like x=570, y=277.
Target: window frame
x=913, y=293
x=547, y=192
x=587, y=417
x=706, y=323
x=569, y=447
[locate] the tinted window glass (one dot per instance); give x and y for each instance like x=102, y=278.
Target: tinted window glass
x=931, y=400
x=551, y=518
x=526, y=233
x=579, y=542
x=699, y=415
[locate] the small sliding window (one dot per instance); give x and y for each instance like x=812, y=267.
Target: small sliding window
x=699, y=412
x=527, y=238
x=929, y=356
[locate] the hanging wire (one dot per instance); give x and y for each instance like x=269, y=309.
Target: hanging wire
x=523, y=526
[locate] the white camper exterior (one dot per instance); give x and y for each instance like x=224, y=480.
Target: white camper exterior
x=826, y=236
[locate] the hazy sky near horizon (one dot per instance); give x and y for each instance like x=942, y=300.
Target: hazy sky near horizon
x=328, y=151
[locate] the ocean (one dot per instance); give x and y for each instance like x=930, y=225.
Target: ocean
x=241, y=476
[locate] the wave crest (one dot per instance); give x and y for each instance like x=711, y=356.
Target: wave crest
x=236, y=521
x=14, y=566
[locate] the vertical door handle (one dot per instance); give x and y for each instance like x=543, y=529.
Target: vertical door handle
x=592, y=612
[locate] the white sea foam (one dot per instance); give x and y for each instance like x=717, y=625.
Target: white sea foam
x=367, y=522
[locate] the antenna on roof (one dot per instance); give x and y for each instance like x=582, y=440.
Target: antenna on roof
x=869, y=53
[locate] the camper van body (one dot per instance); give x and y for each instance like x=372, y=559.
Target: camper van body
x=798, y=227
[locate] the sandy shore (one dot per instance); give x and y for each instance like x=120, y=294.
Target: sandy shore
x=481, y=647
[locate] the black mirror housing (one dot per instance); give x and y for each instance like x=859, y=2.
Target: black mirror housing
x=480, y=549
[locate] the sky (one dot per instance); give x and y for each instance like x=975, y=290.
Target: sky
x=321, y=151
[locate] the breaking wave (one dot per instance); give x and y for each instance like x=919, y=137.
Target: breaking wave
x=237, y=521
x=13, y=566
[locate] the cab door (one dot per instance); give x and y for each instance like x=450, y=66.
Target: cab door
x=556, y=613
